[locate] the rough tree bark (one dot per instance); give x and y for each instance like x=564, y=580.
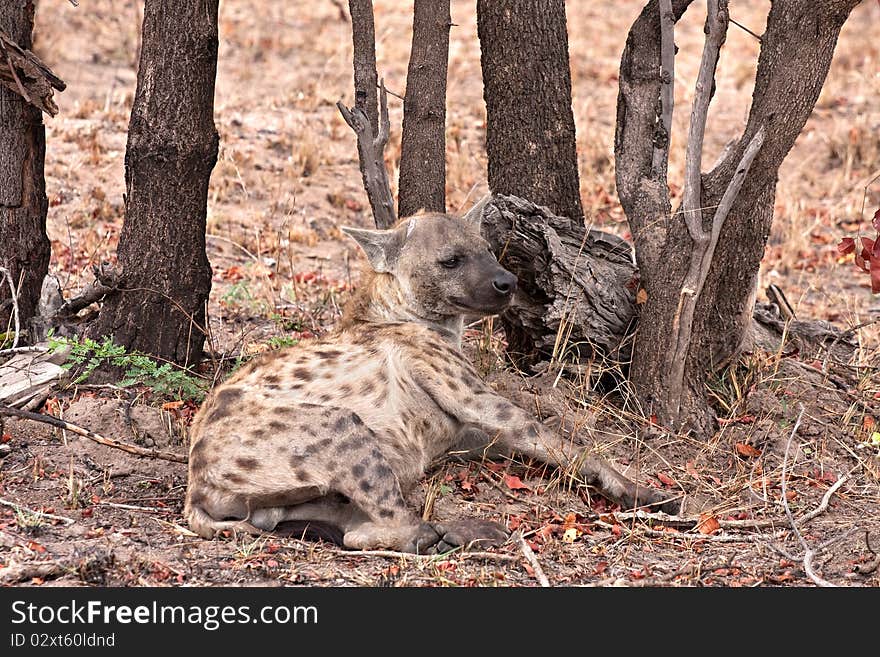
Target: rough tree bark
x=796, y=52
x=165, y=276
x=530, y=135
x=24, y=246
x=422, y=183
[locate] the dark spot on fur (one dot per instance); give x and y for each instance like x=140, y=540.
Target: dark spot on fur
x=453, y=386
x=341, y=423
x=357, y=470
x=273, y=386
x=325, y=398
x=448, y=371
x=356, y=420
x=367, y=387
x=382, y=470
x=303, y=373
x=469, y=400
x=329, y=354
x=228, y=395
x=283, y=410
x=198, y=456
x=386, y=513
x=504, y=412
x=375, y=454
x=306, y=429
x=258, y=433
x=324, y=443
x=249, y=442
x=302, y=475
x=345, y=390
x=275, y=425
x=236, y=479
x=532, y=431
x=365, y=485
x=350, y=443
x=271, y=378
x=196, y=497
x=246, y=463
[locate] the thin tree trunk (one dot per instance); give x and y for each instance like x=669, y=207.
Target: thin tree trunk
x=24, y=246
x=796, y=52
x=366, y=80
x=423, y=147
x=172, y=148
x=530, y=135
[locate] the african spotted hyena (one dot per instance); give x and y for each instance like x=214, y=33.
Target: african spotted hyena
x=334, y=431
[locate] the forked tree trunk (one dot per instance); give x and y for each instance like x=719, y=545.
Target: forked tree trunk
x=796, y=52
x=422, y=182
x=172, y=148
x=24, y=246
x=530, y=133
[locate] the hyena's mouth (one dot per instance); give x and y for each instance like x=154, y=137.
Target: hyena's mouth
x=483, y=307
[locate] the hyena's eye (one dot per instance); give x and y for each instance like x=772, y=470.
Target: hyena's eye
x=451, y=263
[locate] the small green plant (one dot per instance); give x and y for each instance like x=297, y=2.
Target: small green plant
x=280, y=342
x=30, y=522
x=86, y=355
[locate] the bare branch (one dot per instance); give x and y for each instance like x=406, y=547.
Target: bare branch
x=371, y=154
x=663, y=135
x=41, y=514
x=91, y=435
x=716, y=33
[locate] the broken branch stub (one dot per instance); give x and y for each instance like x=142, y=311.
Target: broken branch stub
x=371, y=155
x=26, y=75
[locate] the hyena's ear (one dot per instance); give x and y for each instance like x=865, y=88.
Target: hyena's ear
x=382, y=247
x=474, y=216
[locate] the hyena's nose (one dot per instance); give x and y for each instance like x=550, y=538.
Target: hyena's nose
x=504, y=283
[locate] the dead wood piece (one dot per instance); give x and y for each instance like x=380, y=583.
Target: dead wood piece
x=19, y=573
x=576, y=285
x=371, y=154
x=91, y=435
x=26, y=376
x=529, y=554
x=25, y=74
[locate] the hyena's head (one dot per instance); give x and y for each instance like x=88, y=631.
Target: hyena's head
x=441, y=264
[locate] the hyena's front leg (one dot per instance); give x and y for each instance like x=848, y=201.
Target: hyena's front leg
x=517, y=432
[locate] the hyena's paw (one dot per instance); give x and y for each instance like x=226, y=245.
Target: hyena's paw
x=470, y=533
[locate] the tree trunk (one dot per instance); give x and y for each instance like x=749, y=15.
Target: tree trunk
x=24, y=246
x=363, y=36
x=530, y=135
x=172, y=146
x=423, y=147
x=796, y=52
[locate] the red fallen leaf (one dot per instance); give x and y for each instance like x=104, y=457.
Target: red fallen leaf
x=666, y=479
x=784, y=577
x=5, y=438
x=87, y=512
x=96, y=499
x=37, y=581
x=653, y=418
x=446, y=566
x=615, y=529
x=691, y=469
x=353, y=205
x=570, y=522
x=466, y=484
x=272, y=548
x=495, y=466
x=514, y=523
x=708, y=524
x=233, y=273
x=876, y=221
x=600, y=567
x=747, y=450
x=846, y=245
x=172, y=405
x=514, y=483
x=271, y=563
x=35, y=547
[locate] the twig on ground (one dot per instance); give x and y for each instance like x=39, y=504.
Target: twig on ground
x=391, y=554
x=14, y=296
x=19, y=507
x=809, y=553
x=867, y=569
x=132, y=507
x=23, y=350
x=91, y=435
x=531, y=558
